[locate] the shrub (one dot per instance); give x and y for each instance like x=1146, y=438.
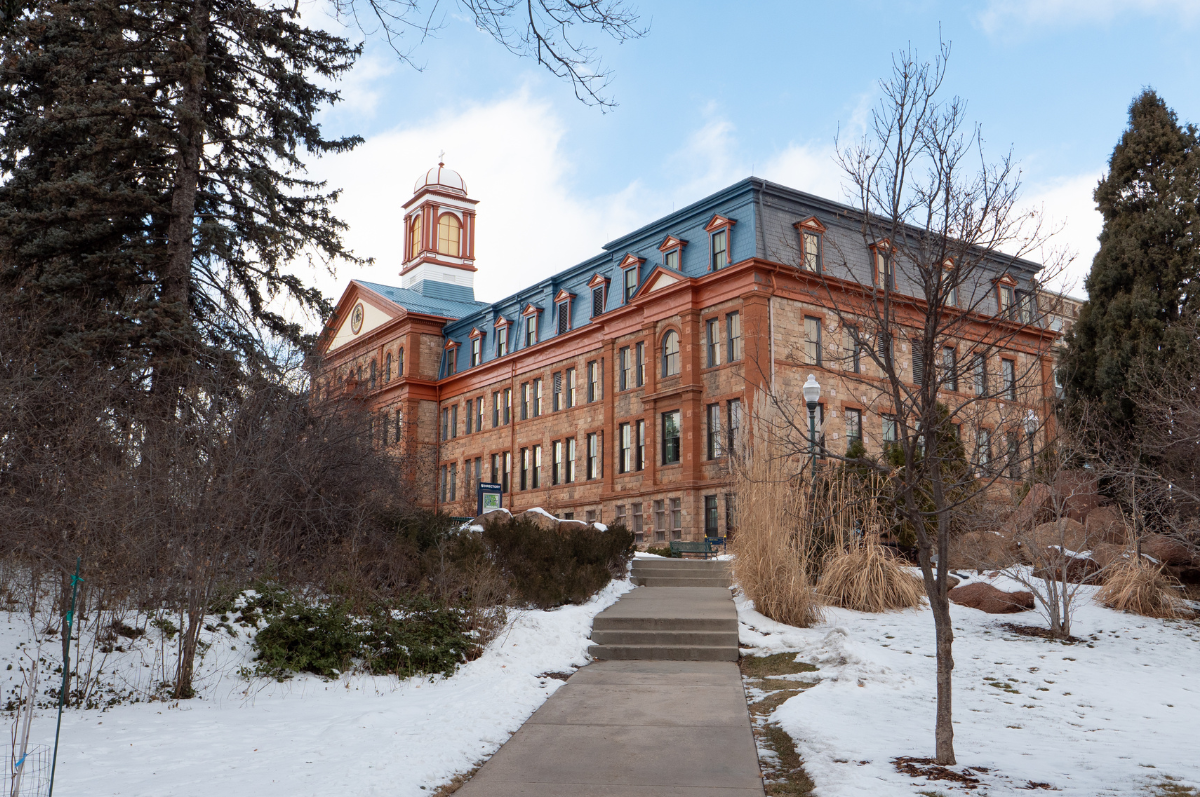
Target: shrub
x=414, y=637
x=550, y=567
x=864, y=578
x=665, y=552
x=1140, y=587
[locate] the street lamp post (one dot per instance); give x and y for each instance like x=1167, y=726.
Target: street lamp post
x=1031, y=425
x=812, y=394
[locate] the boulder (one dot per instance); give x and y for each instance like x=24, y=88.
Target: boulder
x=1064, y=532
x=1068, y=569
x=1104, y=524
x=1107, y=554
x=490, y=517
x=1076, y=493
x=567, y=525
x=987, y=598
x=540, y=518
x=983, y=549
x=1168, y=551
x=1035, y=508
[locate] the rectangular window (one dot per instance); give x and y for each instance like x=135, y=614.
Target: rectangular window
x=949, y=368
x=537, y=397
x=479, y=414
x=812, y=340
x=495, y=477
x=453, y=481
x=712, y=415
x=476, y=351
x=979, y=370
x=670, y=437
x=1009, y=368
x=531, y=330
x=918, y=359
x=506, y=474
x=524, y=468
x=400, y=423
x=570, y=391
x=712, y=339
x=733, y=335
x=889, y=430
x=625, y=457
x=597, y=301
x=983, y=448
x=502, y=341
x=467, y=485
x=593, y=455
x=621, y=517
x=733, y=423
x=442, y=489
x=1025, y=306
x=590, y=515
x=660, y=521
x=885, y=276
x=451, y=361
x=1014, y=455
x=625, y=367
x=507, y=408
x=639, y=367
x=569, y=475
x=593, y=377
x=812, y=252
x=676, y=518
x=524, y=401
x=556, y=462
x=631, y=283
x=400, y=362
x=637, y=522
x=445, y=423
x=711, y=518
x=564, y=317
x=537, y=466
x=470, y=415
x=854, y=425
x=495, y=409
x=1006, y=299
x=639, y=450
x=720, y=249
x=556, y=392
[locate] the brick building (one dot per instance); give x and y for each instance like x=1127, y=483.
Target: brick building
x=612, y=390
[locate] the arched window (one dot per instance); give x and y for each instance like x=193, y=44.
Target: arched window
x=670, y=354
x=414, y=234
x=372, y=374
x=387, y=368
x=449, y=233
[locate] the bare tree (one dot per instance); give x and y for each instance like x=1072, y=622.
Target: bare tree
x=934, y=327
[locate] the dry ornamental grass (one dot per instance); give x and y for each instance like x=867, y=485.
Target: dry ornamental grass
x=1140, y=587
x=862, y=577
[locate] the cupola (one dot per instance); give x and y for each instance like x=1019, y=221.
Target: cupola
x=439, y=236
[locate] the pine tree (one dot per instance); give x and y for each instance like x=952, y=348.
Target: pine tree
x=1144, y=276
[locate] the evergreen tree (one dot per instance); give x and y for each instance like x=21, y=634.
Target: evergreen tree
x=1143, y=278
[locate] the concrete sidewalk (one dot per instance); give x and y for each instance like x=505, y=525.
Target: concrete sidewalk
x=636, y=728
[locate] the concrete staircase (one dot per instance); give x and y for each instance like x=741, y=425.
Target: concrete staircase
x=682, y=610
x=680, y=573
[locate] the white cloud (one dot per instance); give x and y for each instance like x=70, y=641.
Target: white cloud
x=1068, y=208
x=810, y=168
x=1006, y=15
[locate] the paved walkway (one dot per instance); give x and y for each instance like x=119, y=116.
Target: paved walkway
x=635, y=728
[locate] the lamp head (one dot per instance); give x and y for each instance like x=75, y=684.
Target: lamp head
x=812, y=390
x=1031, y=423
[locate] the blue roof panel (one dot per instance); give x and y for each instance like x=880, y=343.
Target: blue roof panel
x=420, y=303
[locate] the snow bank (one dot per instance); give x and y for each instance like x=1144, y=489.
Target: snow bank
x=1109, y=715
x=359, y=735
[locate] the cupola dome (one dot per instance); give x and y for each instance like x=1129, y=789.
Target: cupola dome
x=441, y=177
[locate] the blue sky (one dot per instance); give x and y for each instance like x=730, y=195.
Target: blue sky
x=716, y=92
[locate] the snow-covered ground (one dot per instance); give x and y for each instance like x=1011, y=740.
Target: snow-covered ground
x=1111, y=715
x=359, y=735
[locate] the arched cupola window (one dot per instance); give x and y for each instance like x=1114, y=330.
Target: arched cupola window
x=414, y=236
x=449, y=235
x=670, y=354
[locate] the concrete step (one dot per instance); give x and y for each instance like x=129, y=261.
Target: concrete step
x=602, y=623
x=664, y=652
x=680, y=564
x=656, y=580
x=658, y=637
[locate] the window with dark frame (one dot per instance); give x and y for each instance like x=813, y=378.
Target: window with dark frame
x=556, y=392
x=853, y=424
x=733, y=336
x=670, y=437
x=1009, y=369
x=660, y=520
x=524, y=401
x=387, y=368
x=569, y=393
x=537, y=466
x=593, y=455
x=1014, y=455
x=712, y=447
x=470, y=416
x=476, y=352
x=854, y=348
x=812, y=340
x=593, y=385
x=524, y=456
x=712, y=340
x=537, y=397
x=630, y=278
x=531, y=330
x=372, y=374
x=556, y=462
x=676, y=518
x=950, y=368
x=597, y=301
x=506, y=473
x=889, y=430
x=639, y=451
x=624, y=369
x=983, y=448
x=636, y=522
x=639, y=366
x=625, y=455
x=811, y=243
x=733, y=423
x=454, y=421
x=495, y=409
x=979, y=371
x=564, y=317
x=569, y=470
x=502, y=341
x=507, y=408
x=720, y=249
x=711, y=518
x=670, y=353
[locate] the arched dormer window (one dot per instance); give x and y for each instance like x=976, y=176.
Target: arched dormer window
x=449, y=234
x=414, y=236
x=670, y=354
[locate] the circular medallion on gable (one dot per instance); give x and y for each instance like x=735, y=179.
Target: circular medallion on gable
x=356, y=318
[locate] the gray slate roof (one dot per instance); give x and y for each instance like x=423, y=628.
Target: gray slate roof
x=420, y=303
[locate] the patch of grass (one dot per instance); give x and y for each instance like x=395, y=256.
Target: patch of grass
x=1171, y=787
x=457, y=782
x=1139, y=587
x=775, y=664
x=772, y=701
x=785, y=776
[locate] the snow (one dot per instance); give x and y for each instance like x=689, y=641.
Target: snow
x=358, y=735
x=540, y=511
x=1113, y=714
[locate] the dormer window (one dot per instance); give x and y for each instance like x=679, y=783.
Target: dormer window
x=949, y=287
x=597, y=301
x=531, y=325
x=719, y=242
x=672, y=249
x=414, y=236
x=562, y=307
x=476, y=351
x=671, y=259
x=1006, y=299
x=720, y=250
x=810, y=243
x=884, y=271
x=451, y=358
x=449, y=234
x=501, y=337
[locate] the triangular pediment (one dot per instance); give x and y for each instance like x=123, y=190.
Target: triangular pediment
x=719, y=221
x=812, y=223
x=563, y=296
x=501, y=322
x=631, y=260
x=661, y=277
x=671, y=242
x=476, y=332
x=359, y=312
x=597, y=281
x=530, y=309
x=1006, y=279
x=451, y=344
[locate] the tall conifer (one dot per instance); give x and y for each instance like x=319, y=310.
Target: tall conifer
x=1144, y=277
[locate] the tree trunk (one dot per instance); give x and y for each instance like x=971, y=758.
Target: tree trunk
x=944, y=728
x=187, y=649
